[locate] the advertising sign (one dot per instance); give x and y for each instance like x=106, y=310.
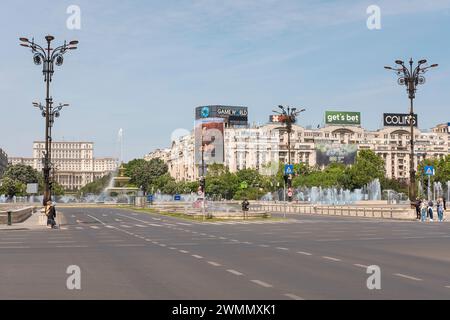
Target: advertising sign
x=327, y=153
x=234, y=116
x=398, y=120
x=209, y=141
x=343, y=117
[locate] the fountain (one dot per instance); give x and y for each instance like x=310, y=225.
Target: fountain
x=119, y=186
x=333, y=195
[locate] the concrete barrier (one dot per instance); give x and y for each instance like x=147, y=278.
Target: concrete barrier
x=18, y=216
x=385, y=212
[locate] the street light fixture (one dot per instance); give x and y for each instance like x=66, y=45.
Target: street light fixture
x=411, y=78
x=48, y=57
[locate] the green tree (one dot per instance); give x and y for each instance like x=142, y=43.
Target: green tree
x=22, y=173
x=145, y=173
x=11, y=187
x=368, y=166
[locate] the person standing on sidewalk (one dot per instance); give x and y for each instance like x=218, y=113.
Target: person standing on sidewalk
x=418, y=205
x=430, y=210
x=423, y=210
x=440, y=210
x=50, y=212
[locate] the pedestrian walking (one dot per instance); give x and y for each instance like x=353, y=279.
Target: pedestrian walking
x=418, y=205
x=423, y=210
x=245, y=207
x=444, y=203
x=50, y=212
x=430, y=210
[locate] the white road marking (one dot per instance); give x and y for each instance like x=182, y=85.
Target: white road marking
x=129, y=245
x=184, y=251
x=79, y=228
x=215, y=264
x=324, y=240
x=448, y=287
x=371, y=239
x=263, y=245
x=304, y=253
x=172, y=248
x=281, y=248
x=184, y=224
x=261, y=283
x=74, y=246
x=12, y=242
x=237, y=273
x=112, y=240
x=162, y=245
x=140, y=226
x=125, y=226
x=60, y=241
x=293, y=296
x=197, y=256
x=331, y=258
x=24, y=247
x=407, y=277
x=222, y=238
x=361, y=265
x=94, y=227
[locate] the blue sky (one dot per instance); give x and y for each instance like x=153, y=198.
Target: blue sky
x=145, y=65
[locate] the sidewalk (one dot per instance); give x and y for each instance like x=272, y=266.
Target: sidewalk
x=32, y=223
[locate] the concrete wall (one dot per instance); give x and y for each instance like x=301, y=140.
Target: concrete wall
x=18, y=216
x=352, y=211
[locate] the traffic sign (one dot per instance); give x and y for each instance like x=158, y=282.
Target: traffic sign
x=177, y=197
x=429, y=170
x=289, y=169
x=150, y=198
x=290, y=193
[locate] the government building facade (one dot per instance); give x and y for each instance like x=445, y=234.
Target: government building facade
x=74, y=163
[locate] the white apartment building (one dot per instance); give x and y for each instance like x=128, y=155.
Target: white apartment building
x=257, y=146
x=74, y=163
x=3, y=161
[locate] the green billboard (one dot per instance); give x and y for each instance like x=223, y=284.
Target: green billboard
x=343, y=117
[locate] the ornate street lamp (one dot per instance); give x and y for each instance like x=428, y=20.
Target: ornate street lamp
x=288, y=116
x=411, y=77
x=48, y=57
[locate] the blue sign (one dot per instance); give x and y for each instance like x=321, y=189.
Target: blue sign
x=177, y=197
x=150, y=198
x=205, y=112
x=429, y=170
x=289, y=169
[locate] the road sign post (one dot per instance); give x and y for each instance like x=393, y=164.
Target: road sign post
x=429, y=171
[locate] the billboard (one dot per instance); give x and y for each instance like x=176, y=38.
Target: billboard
x=343, y=117
x=327, y=153
x=398, y=120
x=209, y=141
x=233, y=116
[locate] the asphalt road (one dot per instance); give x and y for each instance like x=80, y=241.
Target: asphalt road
x=134, y=255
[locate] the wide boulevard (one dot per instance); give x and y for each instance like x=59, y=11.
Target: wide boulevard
x=123, y=254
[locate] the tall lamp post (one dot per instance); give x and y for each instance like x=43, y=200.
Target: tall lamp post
x=48, y=57
x=411, y=77
x=288, y=116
